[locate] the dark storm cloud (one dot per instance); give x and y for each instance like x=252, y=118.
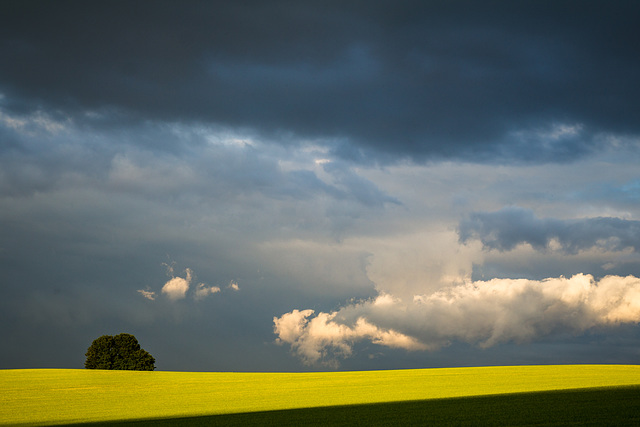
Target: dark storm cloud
x=394, y=79
x=509, y=227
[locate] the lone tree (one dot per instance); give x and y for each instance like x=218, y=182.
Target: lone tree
x=118, y=352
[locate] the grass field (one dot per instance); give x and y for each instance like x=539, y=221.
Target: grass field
x=61, y=396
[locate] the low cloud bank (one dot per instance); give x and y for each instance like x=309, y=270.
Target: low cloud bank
x=509, y=227
x=482, y=313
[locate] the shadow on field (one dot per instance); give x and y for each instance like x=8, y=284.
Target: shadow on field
x=619, y=406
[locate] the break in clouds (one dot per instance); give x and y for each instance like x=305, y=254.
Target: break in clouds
x=482, y=313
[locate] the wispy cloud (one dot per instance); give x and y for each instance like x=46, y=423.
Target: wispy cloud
x=479, y=313
x=150, y=295
x=203, y=291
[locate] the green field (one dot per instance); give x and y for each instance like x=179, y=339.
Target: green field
x=580, y=392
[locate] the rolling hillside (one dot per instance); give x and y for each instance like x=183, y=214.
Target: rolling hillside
x=57, y=396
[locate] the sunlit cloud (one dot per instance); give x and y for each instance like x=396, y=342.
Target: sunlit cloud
x=482, y=313
x=313, y=339
x=177, y=287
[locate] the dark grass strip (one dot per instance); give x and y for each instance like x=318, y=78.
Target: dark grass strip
x=614, y=406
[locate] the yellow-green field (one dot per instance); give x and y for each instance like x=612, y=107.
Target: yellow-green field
x=59, y=396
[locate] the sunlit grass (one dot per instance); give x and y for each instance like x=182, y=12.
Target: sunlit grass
x=49, y=396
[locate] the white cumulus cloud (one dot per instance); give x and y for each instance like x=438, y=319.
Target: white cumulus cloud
x=482, y=313
x=176, y=288
x=311, y=339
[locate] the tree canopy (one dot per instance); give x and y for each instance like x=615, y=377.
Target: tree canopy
x=120, y=352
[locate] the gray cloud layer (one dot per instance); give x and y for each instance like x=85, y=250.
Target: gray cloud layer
x=456, y=79
x=509, y=227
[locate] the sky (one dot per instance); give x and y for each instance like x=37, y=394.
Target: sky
x=302, y=186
